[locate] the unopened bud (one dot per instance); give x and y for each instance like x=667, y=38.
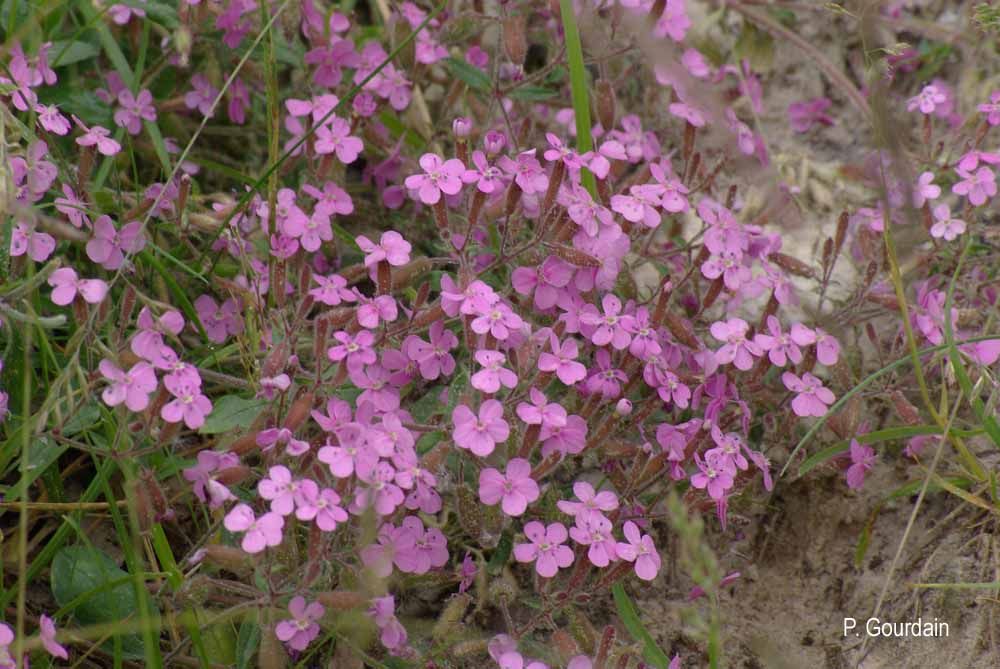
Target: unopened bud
x=461, y=127
x=229, y=558
x=494, y=142
x=605, y=101
x=299, y=410
x=342, y=600
x=624, y=407
x=515, y=41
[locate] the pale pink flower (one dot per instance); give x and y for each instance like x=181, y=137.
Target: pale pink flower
x=47, y=633
x=862, y=459
x=133, y=387
x=641, y=550
x=494, y=374
x=440, y=176
x=978, y=186
x=109, y=245
x=299, y=631
x=738, y=349
x=66, y=286
x=260, y=533
x=927, y=100
x=945, y=226
x=547, y=548
x=591, y=502
x=391, y=248
x=812, y=398
x=594, y=530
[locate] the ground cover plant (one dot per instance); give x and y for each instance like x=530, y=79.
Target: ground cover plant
x=472, y=334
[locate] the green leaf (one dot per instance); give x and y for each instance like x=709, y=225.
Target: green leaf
x=501, y=554
x=913, y=487
x=247, y=642
x=67, y=53
x=161, y=13
x=79, y=570
x=630, y=618
x=532, y=93
x=72, y=100
x=42, y=454
x=579, y=87
x=82, y=420
x=230, y=412
x=469, y=74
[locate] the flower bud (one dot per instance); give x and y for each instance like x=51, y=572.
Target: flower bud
x=229, y=558
x=299, y=410
x=461, y=127
x=342, y=600
x=515, y=41
x=494, y=142
x=605, y=100
x=624, y=407
x=233, y=475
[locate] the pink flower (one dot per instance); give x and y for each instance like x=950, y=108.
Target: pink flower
x=391, y=248
x=219, y=321
x=394, y=545
x=527, y=172
x=712, y=475
x=66, y=286
x=334, y=136
x=47, y=633
x=540, y=411
x=945, y=227
x=429, y=551
x=640, y=205
x=992, y=109
x=302, y=628
x=594, y=530
x=267, y=439
x=433, y=358
x=827, y=348
x=330, y=60
x=925, y=190
x=862, y=459
x=590, y=502
x=738, y=349
x=108, y=246
x=201, y=96
x=612, y=327
x=488, y=179
x=730, y=266
x=546, y=550
x=440, y=176
x=261, y=533
x=782, y=346
x=926, y=100
x=494, y=374
x=97, y=136
x=605, y=378
x=480, y=434
x=50, y=119
x=133, y=388
x=204, y=484
x=331, y=290
x=33, y=170
x=568, y=439
x=332, y=199
x=978, y=186
x=379, y=490
x=689, y=113
x=133, y=110
x=812, y=398
x=802, y=116
x=499, y=320
x=641, y=550
x=280, y=489
x=516, y=489
x=357, y=350
x=322, y=506
x=189, y=404
x=393, y=634
x=24, y=239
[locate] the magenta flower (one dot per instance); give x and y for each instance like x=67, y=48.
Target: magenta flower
x=108, y=246
x=640, y=205
x=132, y=387
x=978, y=186
x=393, y=634
x=433, y=359
x=391, y=248
x=827, y=348
x=24, y=239
x=528, y=173
x=488, y=179
x=349, y=455
x=279, y=489
x=590, y=502
x=499, y=320
x=379, y=491
x=730, y=266
x=925, y=190
x=268, y=439
x=66, y=286
x=331, y=290
x=331, y=200
x=440, y=176
x=219, y=321
x=480, y=434
x=334, y=136
x=802, y=116
x=302, y=628
x=132, y=110
x=33, y=170
x=569, y=439
x=927, y=100
x=594, y=530
x=945, y=226
x=53, y=121
x=546, y=550
x=330, y=60
x=738, y=349
x=202, y=95
x=712, y=475
x=357, y=350
x=862, y=459
x=494, y=374
x=321, y=506
x=515, y=489
x=99, y=137
x=429, y=551
x=545, y=281
x=188, y=404
x=372, y=311
x=394, y=545
x=540, y=411
x=641, y=550
x=605, y=378
x=203, y=481
x=260, y=533
x=74, y=208
x=47, y=634
x=991, y=109
x=812, y=397
x=783, y=346
x=612, y=327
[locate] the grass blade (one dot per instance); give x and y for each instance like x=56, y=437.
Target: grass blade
x=578, y=89
x=630, y=617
